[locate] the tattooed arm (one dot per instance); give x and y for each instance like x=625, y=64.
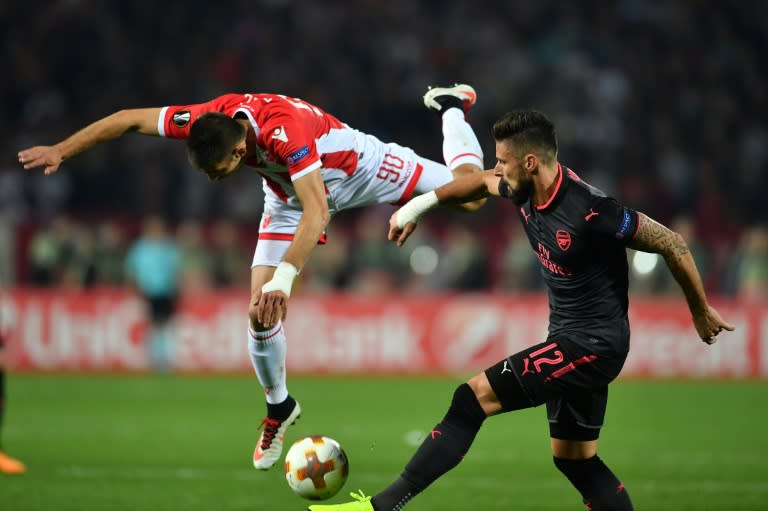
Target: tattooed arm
x=653, y=237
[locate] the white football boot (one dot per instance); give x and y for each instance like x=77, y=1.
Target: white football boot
x=440, y=99
x=270, y=445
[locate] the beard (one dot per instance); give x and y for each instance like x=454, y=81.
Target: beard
x=523, y=191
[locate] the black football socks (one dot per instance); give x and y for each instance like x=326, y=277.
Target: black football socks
x=443, y=449
x=599, y=487
x=281, y=411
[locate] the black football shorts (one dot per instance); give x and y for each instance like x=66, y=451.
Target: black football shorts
x=569, y=377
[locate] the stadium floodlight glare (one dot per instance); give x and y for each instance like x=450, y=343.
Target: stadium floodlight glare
x=424, y=260
x=644, y=263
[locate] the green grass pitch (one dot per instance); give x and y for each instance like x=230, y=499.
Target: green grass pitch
x=132, y=443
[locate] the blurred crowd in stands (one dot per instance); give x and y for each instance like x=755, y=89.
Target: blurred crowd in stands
x=659, y=103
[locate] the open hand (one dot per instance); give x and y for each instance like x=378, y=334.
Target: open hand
x=41, y=156
x=271, y=307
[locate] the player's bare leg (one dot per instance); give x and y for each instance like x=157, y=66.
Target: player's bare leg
x=267, y=349
x=599, y=487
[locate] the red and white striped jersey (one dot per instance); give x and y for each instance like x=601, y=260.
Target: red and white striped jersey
x=295, y=136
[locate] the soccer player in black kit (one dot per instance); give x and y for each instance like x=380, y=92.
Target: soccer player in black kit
x=579, y=235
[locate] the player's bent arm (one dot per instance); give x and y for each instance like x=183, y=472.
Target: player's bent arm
x=468, y=188
x=654, y=237
x=140, y=120
x=310, y=191
x=651, y=236
x=473, y=205
x=473, y=187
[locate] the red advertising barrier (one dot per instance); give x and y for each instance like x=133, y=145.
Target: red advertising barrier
x=103, y=330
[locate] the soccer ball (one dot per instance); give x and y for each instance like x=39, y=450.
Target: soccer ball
x=316, y=467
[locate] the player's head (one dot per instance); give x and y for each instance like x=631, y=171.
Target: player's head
x=525, y=139
x=216, y=145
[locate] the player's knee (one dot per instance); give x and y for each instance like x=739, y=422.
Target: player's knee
x=466, y=407
x=574, y=449
x=485, y=394
x=253, y=319
x=568, y=467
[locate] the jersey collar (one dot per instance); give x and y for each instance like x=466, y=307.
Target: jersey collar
x=251, y=119
x=557, y=193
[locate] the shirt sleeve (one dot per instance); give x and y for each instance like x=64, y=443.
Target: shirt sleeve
x=289, y=140
x=609, y=219
x=175, y=121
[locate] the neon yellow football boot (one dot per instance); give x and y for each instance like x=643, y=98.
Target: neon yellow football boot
x=361, y=503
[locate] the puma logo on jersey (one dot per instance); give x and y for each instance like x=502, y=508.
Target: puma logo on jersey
x=526, y=216
x=590, y=214
x=506, y=368
x=280, y=134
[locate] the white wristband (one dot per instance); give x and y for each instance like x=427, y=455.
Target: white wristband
x=282, y=279
x=416, y=207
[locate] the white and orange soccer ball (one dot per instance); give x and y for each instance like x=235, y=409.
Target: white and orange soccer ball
x=316, y=467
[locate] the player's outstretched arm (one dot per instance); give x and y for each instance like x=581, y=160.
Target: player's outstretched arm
x=141, y=120
x=473, y=187
x=654, y=237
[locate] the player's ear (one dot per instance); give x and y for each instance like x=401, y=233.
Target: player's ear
x=530, y=162
x=240, y=149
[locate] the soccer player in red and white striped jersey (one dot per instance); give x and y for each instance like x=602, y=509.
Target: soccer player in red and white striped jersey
x=312, y=166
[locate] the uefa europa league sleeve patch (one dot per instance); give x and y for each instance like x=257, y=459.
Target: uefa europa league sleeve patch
x=181, y=118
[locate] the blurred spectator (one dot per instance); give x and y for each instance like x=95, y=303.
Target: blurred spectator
x=153, y=264
x=110, y=251
x=421, y=256
x=328, y=268
x=195, y=259
x=377, y=263
x=747, y=275
x=79, y=270
x=50, y=252
x=229, y=262
x=463, y=261
x=520, y=271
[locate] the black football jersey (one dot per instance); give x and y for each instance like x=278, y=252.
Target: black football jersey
x=579, y=238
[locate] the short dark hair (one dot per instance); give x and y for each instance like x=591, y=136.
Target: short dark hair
x=530, y=130
x=211, y=139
